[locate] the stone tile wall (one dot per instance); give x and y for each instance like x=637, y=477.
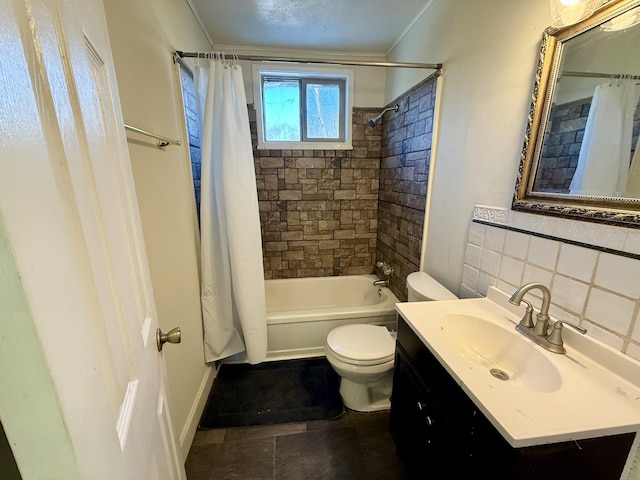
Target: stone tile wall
x=406, y=150
x=561, y=149
x=319, y=208
x=191, y=118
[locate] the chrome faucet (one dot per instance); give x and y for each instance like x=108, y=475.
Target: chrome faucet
x=542, y=319
x=538, y=332
x=381, y=283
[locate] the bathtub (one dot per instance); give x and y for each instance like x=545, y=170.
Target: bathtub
x=302, y=311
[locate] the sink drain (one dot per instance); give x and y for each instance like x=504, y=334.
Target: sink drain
x=499, y=374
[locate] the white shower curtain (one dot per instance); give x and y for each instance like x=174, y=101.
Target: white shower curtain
x=633, y=182
x=233, y=300
x=603, y=163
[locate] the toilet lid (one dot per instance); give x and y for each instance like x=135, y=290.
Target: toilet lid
x=362, y=342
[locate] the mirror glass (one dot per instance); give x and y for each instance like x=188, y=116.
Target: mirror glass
x=582, y=152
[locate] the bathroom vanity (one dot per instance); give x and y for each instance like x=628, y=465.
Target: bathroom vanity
x=447, y=417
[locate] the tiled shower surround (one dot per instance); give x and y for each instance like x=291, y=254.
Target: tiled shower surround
x=319, y=208
x=404, y=174
x=593, y=274
x=333, y=212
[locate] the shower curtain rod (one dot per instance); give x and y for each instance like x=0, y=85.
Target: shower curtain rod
x=600, y=75
x=258, y=58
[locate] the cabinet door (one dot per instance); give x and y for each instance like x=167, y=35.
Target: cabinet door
x=423, y=437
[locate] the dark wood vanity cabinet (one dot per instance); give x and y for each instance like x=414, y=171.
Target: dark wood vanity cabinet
x=440, y=433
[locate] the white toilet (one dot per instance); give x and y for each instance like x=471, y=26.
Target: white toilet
x=363, y=354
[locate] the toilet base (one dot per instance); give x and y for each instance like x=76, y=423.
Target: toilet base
x=373, y=397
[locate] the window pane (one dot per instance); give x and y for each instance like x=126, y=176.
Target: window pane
x=323, y=110
x=281, y=103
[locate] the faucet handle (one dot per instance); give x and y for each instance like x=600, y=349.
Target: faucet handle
x=555, y=336
x=527, y=319
x=386, y=268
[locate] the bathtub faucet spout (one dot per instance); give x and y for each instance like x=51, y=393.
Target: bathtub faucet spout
x=381, y=283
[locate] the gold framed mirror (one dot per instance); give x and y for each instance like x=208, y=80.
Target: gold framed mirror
x=581, y=153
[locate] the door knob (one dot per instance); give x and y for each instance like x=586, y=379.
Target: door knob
x=172, y=336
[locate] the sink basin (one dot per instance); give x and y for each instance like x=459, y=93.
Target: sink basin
x=502, y=352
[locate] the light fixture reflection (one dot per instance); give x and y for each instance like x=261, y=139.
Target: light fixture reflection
x=622, y=22
x=568, y=12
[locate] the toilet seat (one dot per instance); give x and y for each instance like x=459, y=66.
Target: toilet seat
x=361, y=344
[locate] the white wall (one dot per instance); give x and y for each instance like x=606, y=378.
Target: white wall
x=369, y=81
x=143, y=35
x=489, y=50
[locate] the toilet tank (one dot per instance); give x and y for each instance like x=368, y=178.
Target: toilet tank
x=423, y=287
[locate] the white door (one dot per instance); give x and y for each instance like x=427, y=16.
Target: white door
x=82, y=393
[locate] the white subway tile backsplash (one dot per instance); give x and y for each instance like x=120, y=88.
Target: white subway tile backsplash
x=633, y=351
x=591, y=287
x=635, y=335
x=620, y=274
x=569, y=293
x=516, y=244
x=470, y=277
x=511, y=270
x=632, y=242
x=591, y=233
x=484, y=282
x=610, y=310
x=559, y=314
x=476, y=233
x=473, y=255
x=531, y=223
x=494, y=238
x=535, y=274
x=603, y=335
x=490, y=262
x=467, y=292
x=543, y=252
x=505, y=287
x=577, y=262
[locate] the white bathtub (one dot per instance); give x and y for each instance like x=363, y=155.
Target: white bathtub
x=302, y=311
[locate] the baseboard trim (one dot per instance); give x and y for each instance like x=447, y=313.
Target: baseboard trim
x=191, y=425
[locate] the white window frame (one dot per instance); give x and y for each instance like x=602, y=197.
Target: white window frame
x=265, y=69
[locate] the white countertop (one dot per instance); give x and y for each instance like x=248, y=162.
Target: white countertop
x=599, y=393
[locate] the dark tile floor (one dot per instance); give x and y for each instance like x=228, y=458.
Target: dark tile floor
x=355, y=446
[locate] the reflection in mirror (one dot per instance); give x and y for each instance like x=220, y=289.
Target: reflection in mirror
x=584, y=152
x=594, y=120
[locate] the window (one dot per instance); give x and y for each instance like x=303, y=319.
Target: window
x=303, y=107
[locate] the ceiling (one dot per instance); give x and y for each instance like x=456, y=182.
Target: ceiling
x=358, y=26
